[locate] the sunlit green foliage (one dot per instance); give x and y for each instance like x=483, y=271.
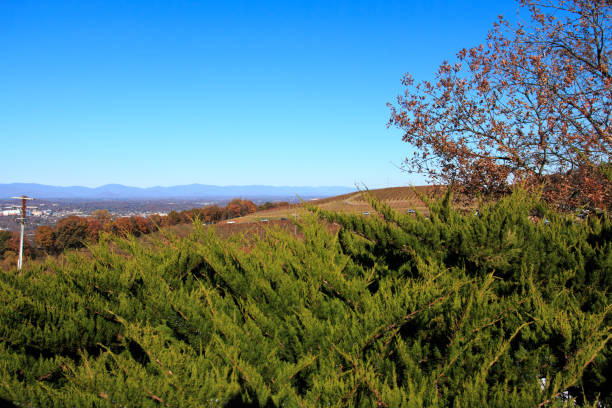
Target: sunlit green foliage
x=493, y=309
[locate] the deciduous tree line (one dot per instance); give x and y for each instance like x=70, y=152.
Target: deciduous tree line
x=75, y=232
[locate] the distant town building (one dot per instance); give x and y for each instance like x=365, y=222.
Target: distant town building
x=6, y=213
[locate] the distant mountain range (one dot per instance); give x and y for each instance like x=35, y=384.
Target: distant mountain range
x=118, y=191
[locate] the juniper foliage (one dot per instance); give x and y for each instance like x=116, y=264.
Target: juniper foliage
x=393, y=310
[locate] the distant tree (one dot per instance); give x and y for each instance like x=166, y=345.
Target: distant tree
x=188, y=215
x=44, y=237
x=5, y=236
x=174, y=218
x=9, y=248
x=532, y=105
x=191, y=215
x=156, y=220
x=71, y=232
x=248, y=207
x=268, y=205
x=124, y=226
x=265, y=206
x=8, y=260
x=143, y=225
x=102, y=215
x=212, y=213
x=238, y=208
x=232, y=210
x=13, y=243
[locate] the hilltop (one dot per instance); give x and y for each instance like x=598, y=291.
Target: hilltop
x=401, y=199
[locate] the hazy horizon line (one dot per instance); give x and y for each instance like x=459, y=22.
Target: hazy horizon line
x=176, y=185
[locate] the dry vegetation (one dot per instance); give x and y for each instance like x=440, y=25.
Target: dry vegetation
x=400, y=199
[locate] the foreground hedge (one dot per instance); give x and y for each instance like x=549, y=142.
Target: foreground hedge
x=492, y=309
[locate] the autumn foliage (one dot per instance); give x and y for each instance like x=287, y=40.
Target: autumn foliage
x=76, y=232
x=9, y=249
x=532, y=106
x=269, y=205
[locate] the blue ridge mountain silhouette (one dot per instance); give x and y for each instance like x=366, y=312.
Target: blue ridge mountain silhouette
x=118, y=191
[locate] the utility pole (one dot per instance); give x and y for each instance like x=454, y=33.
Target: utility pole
x=21, y=220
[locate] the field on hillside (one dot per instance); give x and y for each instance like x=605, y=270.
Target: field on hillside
x=401, y=199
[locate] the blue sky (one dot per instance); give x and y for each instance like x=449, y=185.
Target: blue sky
x=147, y=93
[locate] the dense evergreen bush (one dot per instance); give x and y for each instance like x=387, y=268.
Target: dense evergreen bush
x=510, y=307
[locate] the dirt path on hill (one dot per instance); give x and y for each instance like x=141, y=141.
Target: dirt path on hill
x=350, y=200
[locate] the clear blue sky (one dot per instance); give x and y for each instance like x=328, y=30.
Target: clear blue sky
x=147, y=93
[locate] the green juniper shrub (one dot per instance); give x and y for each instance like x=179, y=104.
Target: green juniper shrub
x=393, y=310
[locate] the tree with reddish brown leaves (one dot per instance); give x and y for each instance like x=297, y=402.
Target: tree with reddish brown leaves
x=94, y=228
x=232, y=210
x=124, y=226
x=9, y=250
x=102, y=215
x=248, y=207
x=156, y=220
x=45, y=238
x=212, y=213
x=143, y=225
x=174, y=218
x=238, y=208
x=71, y=232
x=531, y=106
x=5, y=238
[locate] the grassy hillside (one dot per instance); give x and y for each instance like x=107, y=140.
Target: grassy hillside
x=400, y=199
x=508, y=308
